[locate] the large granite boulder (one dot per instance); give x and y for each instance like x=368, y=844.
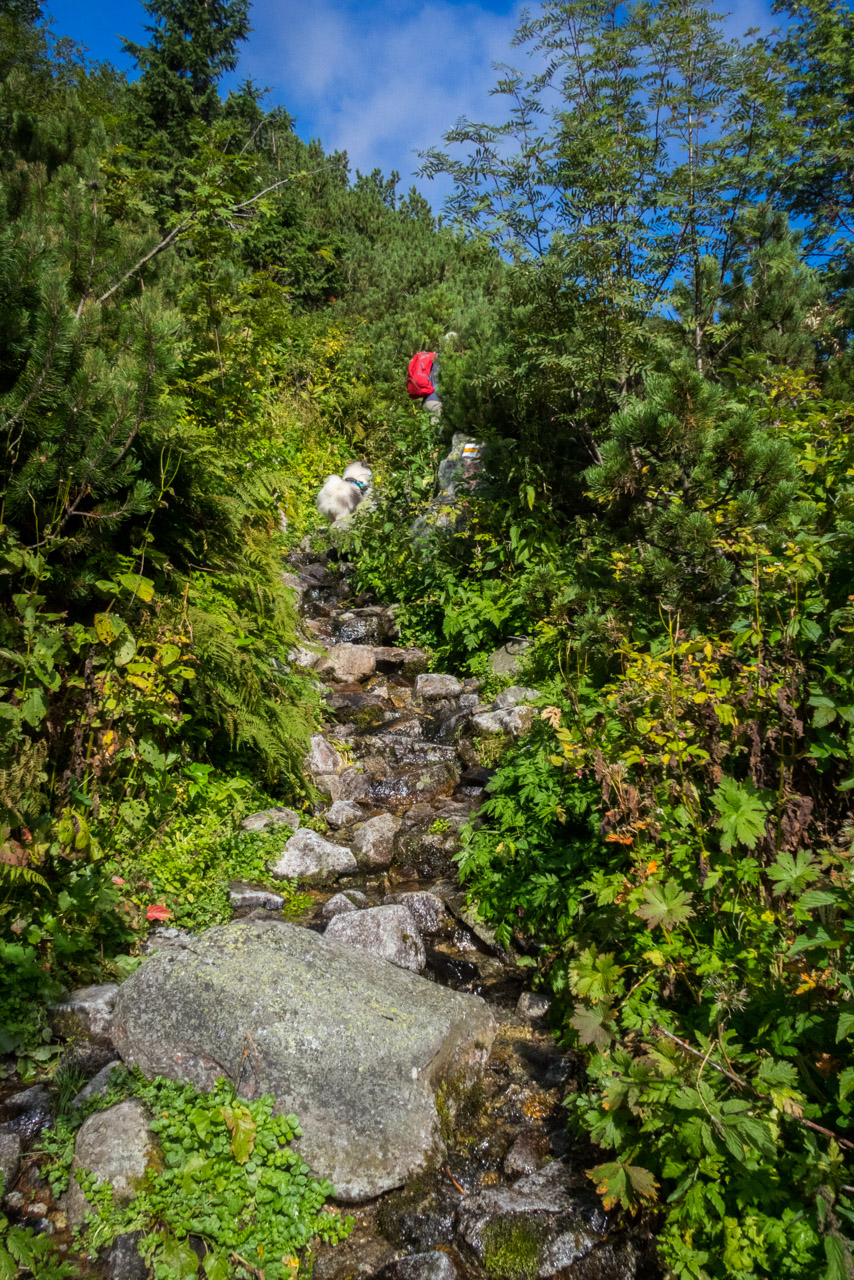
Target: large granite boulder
x=351, y=1044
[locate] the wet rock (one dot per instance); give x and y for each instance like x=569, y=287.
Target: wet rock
x=307, y=856
x=538, y=1227
x=388, y=932
x=116, y=1146
x=513, y=696
x=393, y=659
x=322, y=757
x=86, y=1014
x=370, y=626
x=31, y=1112
x=348, y=662
x=247, y=897
x=414, y=782
x=335, y=1034
x=98, y=1085
x=427, y=910
x=342, y=903
x=373, y=841
x=10, y=1158
x=529, y=1151
x=514, y=722
x=433, y=685
x=122, y=1260
x=358, y=1257
x=277, y=816
x=431, y=853
x=342, y=812
x=419, y=1266
x=473, y=781
x=532, y=1006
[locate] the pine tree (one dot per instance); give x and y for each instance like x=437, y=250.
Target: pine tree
x=193, y=44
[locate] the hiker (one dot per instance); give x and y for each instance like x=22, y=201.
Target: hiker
x=423, y=379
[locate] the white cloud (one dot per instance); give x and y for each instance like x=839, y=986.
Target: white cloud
x=381, y=84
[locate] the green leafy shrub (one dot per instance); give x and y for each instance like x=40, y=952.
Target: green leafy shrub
x=230, y=1180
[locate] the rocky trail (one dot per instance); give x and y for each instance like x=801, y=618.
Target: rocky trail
x=428, y=1085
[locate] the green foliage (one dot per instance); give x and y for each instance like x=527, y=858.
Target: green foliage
x=25, y=1255
x=230, y=1180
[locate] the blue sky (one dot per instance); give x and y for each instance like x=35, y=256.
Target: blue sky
x=377, y=78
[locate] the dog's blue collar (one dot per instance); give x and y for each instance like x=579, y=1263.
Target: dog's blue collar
x=360, y=484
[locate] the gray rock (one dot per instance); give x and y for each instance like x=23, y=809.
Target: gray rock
x=303, y=657
x=419, y=1266
x=513, y=696
x=373, y=841
x=427, y=910
x=165, y=939
x=532, y=1006
x=10, y=1159
x=116, y=1146
x=354, y=1046
x=36, y=1098
x=514, y=722
x=122, y=1260
x=434, y=685
x=342, y=903
x=86, y=1014
x=322, y=757
x=342, y=812
x=346, y=663
x=350, y=784
x=388, y=932
x=527, y=1154
x=246, y=897
x=543, y=1225
x=507, y=660
x=278, y=816
x=98, y=1085
x=307, y=856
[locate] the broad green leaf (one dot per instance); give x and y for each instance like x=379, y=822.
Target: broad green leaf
x=178, y=1255
x=242, y=1128
x=846, y=1083
x=743, y=813
x=590, y=1025
x=216, y=1267
x=124, y=650
x=816, y=898
x=665, y=905
x=137, y=585
x=792, y=874
x=838, y=1258
x=845, y=1026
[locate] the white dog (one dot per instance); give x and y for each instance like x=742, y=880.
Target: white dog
x=341, y=495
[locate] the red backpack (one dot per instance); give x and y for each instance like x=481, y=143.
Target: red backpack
x=419, y=382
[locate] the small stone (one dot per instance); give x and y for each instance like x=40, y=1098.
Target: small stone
x=348, y=662
x=469, y=701
x=513, y=696
x=10, y=1158
x=116, y=1146
x=305, y=659
x=322, y=757
x=14, y=1200
x=389, y=932
x=427, y=910
x=342, y=903
x=507, y=660
x=246, y=897
x=342, y=812
x=373, y=841
x=307, y=856
x=86, y=1014
x=98, y=1085
x=433, y=685
x=527, y=1154
x=532, y=1006
x=277, y=816
x=37, y=1209
x=419, y=1266
x=123, y=1261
